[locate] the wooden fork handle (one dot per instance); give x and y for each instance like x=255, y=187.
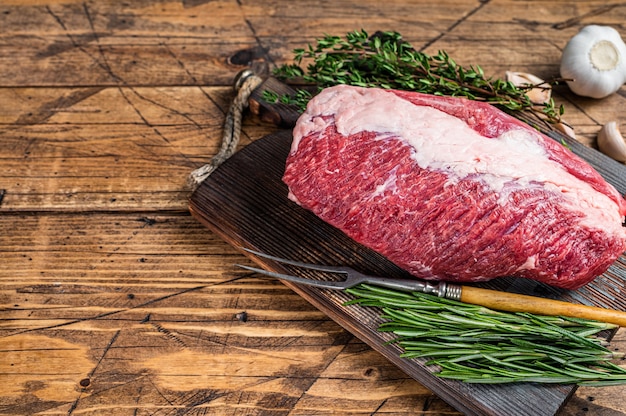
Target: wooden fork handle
x=512, y=302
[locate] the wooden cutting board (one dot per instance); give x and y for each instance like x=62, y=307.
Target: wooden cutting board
x=245, y=202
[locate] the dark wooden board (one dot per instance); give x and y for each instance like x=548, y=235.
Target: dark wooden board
x=245, y=202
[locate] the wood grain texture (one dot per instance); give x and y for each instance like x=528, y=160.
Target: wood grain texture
x=108, y=148
x=148, y=312
x=113, y=300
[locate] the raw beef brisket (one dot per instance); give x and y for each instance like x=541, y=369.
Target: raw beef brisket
x=452, y=189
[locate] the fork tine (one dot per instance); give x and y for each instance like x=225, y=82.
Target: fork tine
x=338, y=269
x=302, y=280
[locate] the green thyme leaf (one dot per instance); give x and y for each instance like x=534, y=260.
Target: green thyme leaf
x=385, y=60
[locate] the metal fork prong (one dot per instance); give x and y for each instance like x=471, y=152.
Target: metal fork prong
x=331, y=269
x=302, y=280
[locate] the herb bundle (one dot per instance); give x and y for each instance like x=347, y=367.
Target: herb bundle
x=385, y=60
x=479, y=345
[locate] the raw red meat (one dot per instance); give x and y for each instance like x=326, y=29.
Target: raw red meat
x=452, y=189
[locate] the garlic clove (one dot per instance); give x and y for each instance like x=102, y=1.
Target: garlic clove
x=594, y=62
x=565, y=129
x=541, y=92
x=611, y=142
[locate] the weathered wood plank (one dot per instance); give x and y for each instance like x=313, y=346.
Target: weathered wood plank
x=108, y=149
x=147, y=43
x=151, y=314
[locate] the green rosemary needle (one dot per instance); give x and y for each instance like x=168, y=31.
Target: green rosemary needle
x=479, y=345
x=385, y=60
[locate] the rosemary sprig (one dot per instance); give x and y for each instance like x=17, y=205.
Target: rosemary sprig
x=385, y=60
x=479, y=345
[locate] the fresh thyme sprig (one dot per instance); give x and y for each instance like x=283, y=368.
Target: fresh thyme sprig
x=385, y=60
x=479, y=345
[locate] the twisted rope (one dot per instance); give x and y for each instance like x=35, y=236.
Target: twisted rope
x=245, y=83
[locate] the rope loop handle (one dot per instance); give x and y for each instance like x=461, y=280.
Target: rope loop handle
x=245, y=83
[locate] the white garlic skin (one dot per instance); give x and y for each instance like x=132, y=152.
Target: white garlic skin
x=538, y=95
x=595, y=61
x=611, y=142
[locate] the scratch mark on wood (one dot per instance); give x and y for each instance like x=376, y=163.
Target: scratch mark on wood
x=427, y=404
x=171, y=109
x=169, y=334
x=141, y=116
x=455, y=24
x=104, y=63
x=93, y=37
x=178, y=62
x=578, y=19
x=182, y=65
x=73, y=406
x=380, y=406
x=57, y=18
x=58, y=47
x=111, y=313
x=104, y=353
x=190, y=75
x=2, y=194
x=49, y=109
x=265, y=51
x=93, y=371
x=198, y=399
x=159, y=392
x=137, y=398
x=195, y=82
x=154, y=128
x=315, y=377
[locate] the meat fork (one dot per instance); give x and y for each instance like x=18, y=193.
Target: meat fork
x=352, y=278
x=493, y=299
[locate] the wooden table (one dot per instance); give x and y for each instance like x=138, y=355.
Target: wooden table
x=114, y=300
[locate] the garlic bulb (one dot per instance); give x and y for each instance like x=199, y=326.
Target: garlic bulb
x=595, y=61
x=611, y=142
